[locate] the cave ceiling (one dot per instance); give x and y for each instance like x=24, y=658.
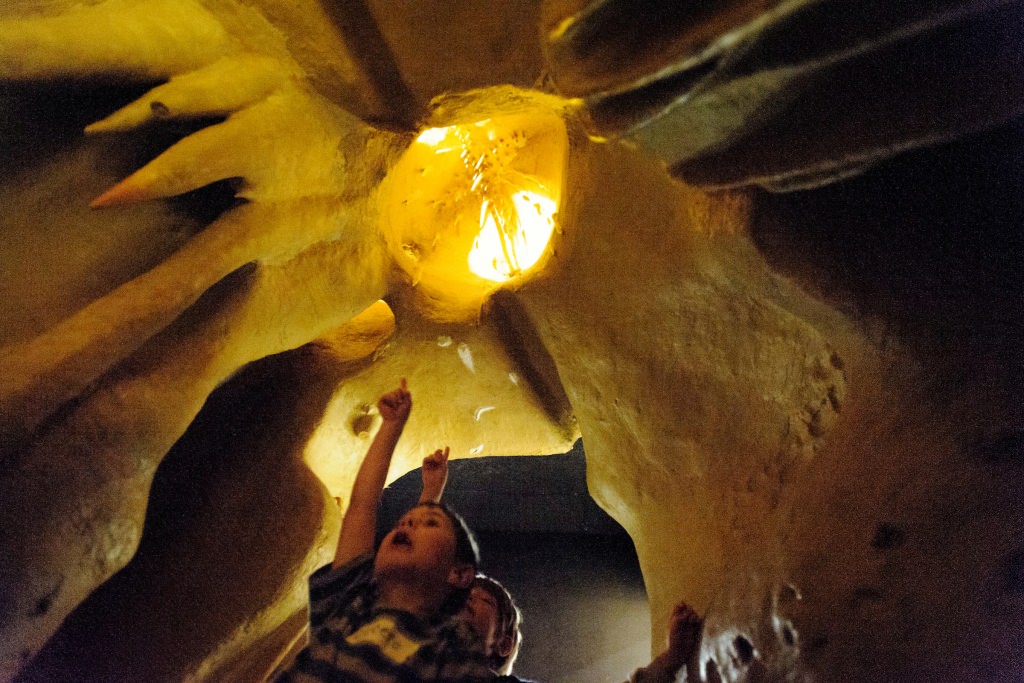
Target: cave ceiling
x=780, y=302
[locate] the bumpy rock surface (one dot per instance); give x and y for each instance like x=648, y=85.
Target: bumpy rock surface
x=803, y=406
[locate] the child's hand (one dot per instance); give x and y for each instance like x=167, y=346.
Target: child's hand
x=435, y=465
x=395, y=406
x=684, y=631
x=435, y=475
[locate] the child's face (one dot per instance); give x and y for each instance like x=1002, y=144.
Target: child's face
x=423, y=540
x=481, y=613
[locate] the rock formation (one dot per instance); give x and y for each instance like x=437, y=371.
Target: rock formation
x=781, y=304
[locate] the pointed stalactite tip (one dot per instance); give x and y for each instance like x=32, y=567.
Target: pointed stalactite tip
x=125, y=192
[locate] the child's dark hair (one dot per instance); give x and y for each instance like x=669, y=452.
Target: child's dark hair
x=466, y=548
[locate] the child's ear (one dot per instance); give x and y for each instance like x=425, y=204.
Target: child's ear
x=462, y=575
x=504, y=646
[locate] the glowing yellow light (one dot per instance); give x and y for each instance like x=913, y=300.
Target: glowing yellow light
x=516, y=213
x=433, y=136
x=503, y=251
x=473, y=205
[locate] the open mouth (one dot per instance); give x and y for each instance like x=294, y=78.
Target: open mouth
x=401, y=538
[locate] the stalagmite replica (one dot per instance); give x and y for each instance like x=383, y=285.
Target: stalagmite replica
x=763, y=257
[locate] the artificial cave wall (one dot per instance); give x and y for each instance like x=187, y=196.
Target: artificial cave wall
x=782, y=307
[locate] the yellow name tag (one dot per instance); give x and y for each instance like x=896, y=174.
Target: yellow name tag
x=385, y=634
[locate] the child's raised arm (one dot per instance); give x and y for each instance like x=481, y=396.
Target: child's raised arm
x=435, y=476
x=360, y=522
x=684, y=634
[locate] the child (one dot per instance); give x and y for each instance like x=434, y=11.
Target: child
x=389, y=616
x=494, y=617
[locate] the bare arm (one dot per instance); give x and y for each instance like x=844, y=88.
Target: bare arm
x=695, y=624
x=684, y=634
x=360, y=522
x=435, y=476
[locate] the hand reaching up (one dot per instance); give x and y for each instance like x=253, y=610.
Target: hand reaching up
x=685, y=628
x=360, y=520
x=684, y=632
x=396, y=405
x=435, y=476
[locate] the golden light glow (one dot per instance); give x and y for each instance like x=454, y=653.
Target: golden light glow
x=512, y=239
x=517, y=213
x=474, y=205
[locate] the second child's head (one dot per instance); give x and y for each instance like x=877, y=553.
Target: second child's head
x=494, y=617
x=431, y=545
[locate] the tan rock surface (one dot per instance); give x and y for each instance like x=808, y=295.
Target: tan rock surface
x=805, y=414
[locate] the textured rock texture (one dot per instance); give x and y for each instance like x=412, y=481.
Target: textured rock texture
x=783, y=309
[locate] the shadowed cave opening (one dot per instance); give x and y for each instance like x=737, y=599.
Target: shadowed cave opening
x=571, y=568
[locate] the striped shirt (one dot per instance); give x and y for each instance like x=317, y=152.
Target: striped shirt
x=352, y=640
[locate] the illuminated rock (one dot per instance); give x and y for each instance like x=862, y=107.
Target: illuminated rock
x=802, y=407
